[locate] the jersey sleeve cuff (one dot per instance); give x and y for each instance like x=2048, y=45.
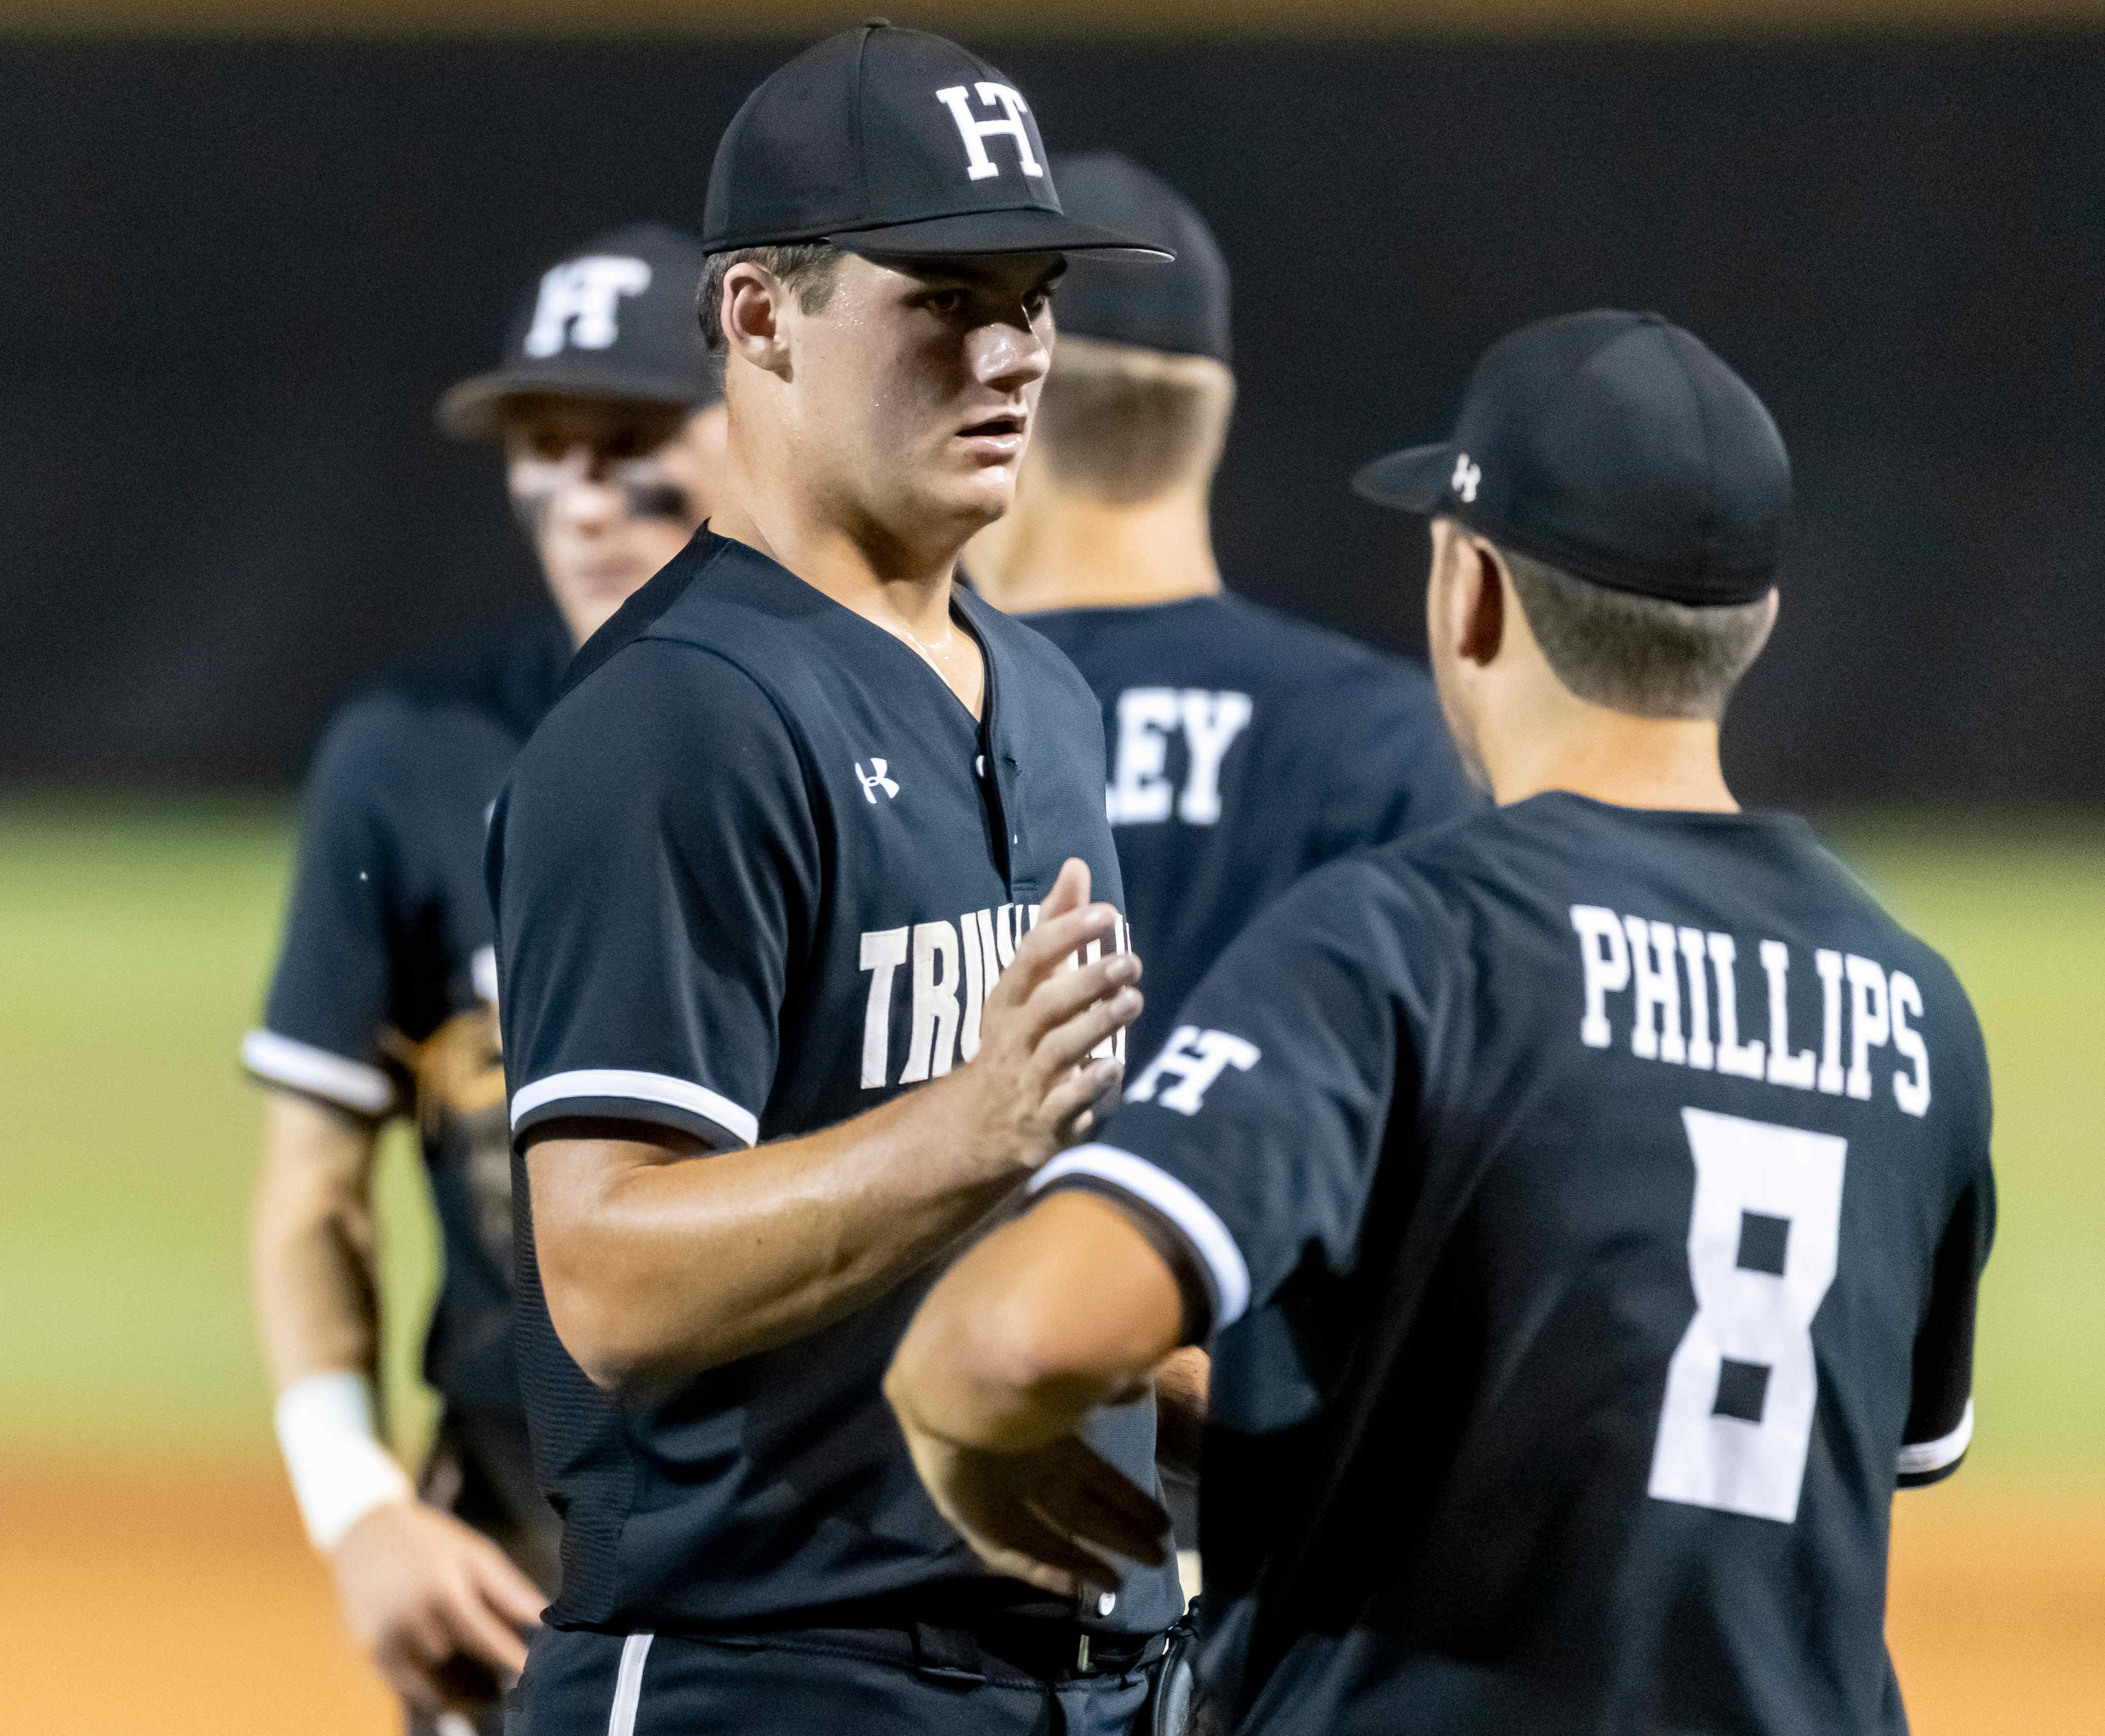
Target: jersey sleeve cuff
x=1921, y=1462
x=356, y=1085
x=1109, y=1169
x=617, y=1094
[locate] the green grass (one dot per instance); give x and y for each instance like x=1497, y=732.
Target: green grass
x=135, y=938
x=2019, y=911
x=135, y=941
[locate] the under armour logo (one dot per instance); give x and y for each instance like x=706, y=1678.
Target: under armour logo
x=976, y=132
x=874, y=780
x=577, y=302
x=1467, y=475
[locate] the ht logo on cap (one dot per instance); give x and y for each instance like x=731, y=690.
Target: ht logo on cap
x=577, y=302
x=975, y=133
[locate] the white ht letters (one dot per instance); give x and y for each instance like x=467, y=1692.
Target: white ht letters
x=1659, y=965
x=976, y=132
x=950, y=966
x=578, y=302
x=1140, y=793
x=1195, y=1059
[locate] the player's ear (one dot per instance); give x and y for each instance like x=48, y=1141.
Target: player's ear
x=1484, y=583
x=754, y=300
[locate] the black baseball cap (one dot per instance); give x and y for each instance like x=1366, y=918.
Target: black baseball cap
x=1616, y=447
x=891, y=142
x=614, y=319
x=1181, y=308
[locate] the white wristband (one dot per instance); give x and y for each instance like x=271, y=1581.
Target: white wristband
x=340, y=1471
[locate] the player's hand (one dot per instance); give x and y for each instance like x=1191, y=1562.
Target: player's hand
x=1051, y=1517
x=1034, y=1086
x=438, y=1606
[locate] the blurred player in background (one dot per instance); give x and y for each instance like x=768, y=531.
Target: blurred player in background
x=1586, y=1202
x=1245, y=747
x=610, y=414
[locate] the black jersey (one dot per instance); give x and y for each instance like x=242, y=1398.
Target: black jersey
x=754, y=875
x=1591, y=1202
x=384, y=1002
x=1246, y=747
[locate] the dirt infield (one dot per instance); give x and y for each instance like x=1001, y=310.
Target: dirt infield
x=178, y=1603
x=1997, y=1614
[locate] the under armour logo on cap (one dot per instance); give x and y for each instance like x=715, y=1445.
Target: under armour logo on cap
x=1626, y=453
x=579, y=303
x=1467, y=475
x=976, y=132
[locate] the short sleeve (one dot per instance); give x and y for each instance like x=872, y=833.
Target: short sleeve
x=1940, y=1423
x=330, y=995
x=1256, y=1132
x=1394, y=770
x=654, y=867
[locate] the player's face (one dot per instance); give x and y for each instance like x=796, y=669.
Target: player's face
x=609, y=491
x=919, y=381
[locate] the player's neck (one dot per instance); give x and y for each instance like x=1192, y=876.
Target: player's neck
x=1057, y=549
x=900, y=585
x=1563, y=743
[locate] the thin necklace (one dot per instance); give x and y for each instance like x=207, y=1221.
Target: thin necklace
x=928, y=651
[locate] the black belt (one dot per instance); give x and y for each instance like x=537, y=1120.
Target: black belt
x=1023, y=1650
x=1045, y=1651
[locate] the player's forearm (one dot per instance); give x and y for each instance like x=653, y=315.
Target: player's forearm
x=1181, y=1387
x=1065, y=1308
x=311, y=1241
x=655, y=1267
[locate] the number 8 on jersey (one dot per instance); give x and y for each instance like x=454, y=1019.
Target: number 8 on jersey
x=1764, y=1241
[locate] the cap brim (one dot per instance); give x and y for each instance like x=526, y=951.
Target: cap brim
x=1415, y=479
x=1028, y=229
x=468, y=411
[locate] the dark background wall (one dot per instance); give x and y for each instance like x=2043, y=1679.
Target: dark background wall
x=233, y=277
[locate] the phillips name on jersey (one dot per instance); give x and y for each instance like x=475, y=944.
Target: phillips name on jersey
x=1589, y=1204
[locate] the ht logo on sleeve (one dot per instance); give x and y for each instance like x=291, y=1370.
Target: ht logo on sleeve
x=976, y=132
x=1196, y=1058
x=579, y=300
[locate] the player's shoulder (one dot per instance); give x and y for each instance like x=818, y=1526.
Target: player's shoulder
x=472, y=699
x=1391, y=900
x=694, y=646
x=1897, y=946
x=507, y=673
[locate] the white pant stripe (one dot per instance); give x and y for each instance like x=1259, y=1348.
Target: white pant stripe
x=628, y=1685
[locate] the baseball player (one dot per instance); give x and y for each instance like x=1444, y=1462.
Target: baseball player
x=1245, y=747
x=383, y=1004
x=1586, y=1202
x=801, y=973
